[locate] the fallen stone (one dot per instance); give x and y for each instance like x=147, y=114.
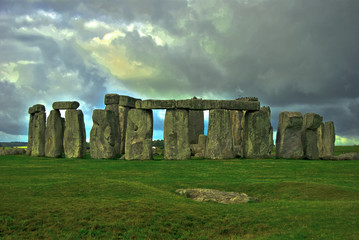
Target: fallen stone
x=346, y=156
x=289, y=141
x=176, y=135
x=257, y=134
x=196, y=125
x=219, y=140
x=156, y=104
x=37, y=108
x=38, y=135
x=75, y=135
x=54, y=135
x=198, y=150
x=104, y=135
x=139, y=135
x=12, y=151
x=311, y=135
x=211, y=195
x=65, y=105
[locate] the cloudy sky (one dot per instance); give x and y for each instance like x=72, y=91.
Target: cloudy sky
x=294, y=55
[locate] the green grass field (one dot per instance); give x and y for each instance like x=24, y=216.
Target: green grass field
x=43, y=198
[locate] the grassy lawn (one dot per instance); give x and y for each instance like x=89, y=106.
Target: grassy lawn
x=43, y=198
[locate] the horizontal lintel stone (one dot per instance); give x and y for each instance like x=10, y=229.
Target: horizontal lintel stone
x=121, y=100
x=198, y=104
x=156, y=104
x=65, y=105
x=36, y=108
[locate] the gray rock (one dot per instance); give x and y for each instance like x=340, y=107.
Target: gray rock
x=115, y=108
x=65, y=105
x=104, y=142
x=347, y=156
x=123, y=114
x=37, y=108
x=75, y=134
x=12, y=151
x=211, y=195
x=328, y=139
x=38, y=135
x=54, y=135
x=121, y=100
x=199, y=104
x=196, y=125
x=311, y=135
x=139, y=135
x=219, y=140
x=289, y=141
x=30, y=133
x=176, y=135
x=156, y=104
x=257, y=134
x=237, y=123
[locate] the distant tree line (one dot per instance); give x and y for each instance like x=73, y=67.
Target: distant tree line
x=158, y=143
x=13, y=144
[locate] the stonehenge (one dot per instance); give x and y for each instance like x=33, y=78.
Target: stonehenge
x=236, y=128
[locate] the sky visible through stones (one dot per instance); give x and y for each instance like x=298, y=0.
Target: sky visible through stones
x=294, y=55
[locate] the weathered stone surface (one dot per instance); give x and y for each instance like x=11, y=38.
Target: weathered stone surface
x=122, y=115
x=139, y=135
x=237, y=123
x=12, y=151
x=104, y=142
x=219, y=140
x=38, y=135
x=346, y=156
x=115, y=108
x=37, y=108
x=75, y=134
x=54, y=135
x=199, y=104
x=121, y=100
x=196, y=125
x=257, y=133
x=65, y=105
x=156, y=104
x=205, y=195
x=289, y=141
x=29, y=136
x=328, y=139
x=198, y=150
x=311, y=135
x=176, y=135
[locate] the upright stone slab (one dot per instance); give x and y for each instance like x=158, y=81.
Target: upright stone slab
x=122, y=115
x=257, y=134
x=176, y=135
x=237, y=131
x=139, y=135
x=75, y=134
x=219, y=140
x=29, y=136
x=104, y=142
x=54, y=135
x=311, y=135
x=115, y=109
x=289, y=142
x=328, y=139
x=196, y=125
x=38, y=134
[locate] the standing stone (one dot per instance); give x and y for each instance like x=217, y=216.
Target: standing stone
x=75, y=134
x=30, y=133
x=176, y=135
x=237, y=131
x=196, y=125
x=139, y=135
x=328, y=139
x=310, y=135
x=219, y=141
x=103, y=137
x=117, y=134
x=289, y=142
x=257, y=134
x=54, y=135
x=38, y=135
x=122, y=115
